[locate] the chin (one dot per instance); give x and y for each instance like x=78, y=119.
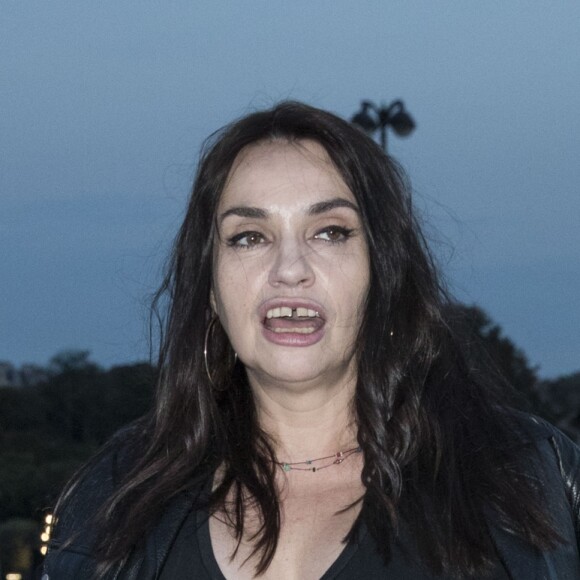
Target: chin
x=289, y=373
x=294, y=373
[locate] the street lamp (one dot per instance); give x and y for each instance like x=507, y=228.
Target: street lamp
x=394, y=116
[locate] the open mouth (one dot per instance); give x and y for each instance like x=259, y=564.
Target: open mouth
x=286, y=320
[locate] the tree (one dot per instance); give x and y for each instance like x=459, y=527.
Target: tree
x=72, y=361
x=489, y=350
x=562, y=397
x=47, y=431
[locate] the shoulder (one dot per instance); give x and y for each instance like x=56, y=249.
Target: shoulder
x=557, y=466
x=551, y=460
x=534, y=429
x=91, y=486
x=564, y=452
x=547, y=439
x=71, y=544
x=71, y=547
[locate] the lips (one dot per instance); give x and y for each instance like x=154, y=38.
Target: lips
x=292, y=322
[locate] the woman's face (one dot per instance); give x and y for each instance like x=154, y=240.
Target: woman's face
x=291, y=265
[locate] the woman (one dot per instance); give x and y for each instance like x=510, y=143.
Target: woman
x=315, y=416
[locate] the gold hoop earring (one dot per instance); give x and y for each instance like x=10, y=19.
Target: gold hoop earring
x=205, y=349
x=206, y=340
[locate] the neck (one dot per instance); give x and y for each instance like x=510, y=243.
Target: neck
x=307, y=422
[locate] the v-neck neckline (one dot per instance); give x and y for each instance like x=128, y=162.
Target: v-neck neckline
x=212, y=566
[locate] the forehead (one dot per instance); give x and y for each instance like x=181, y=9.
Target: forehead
x=281, y=171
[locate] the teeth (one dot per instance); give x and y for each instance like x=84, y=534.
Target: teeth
x=281, y=312
x=286, y=312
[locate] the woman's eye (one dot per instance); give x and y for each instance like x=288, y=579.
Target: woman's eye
x=246, y=240
x=334, y=234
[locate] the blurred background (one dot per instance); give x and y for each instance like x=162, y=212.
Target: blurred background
x=104, y=107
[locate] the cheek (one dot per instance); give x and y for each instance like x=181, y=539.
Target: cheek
x=232, y=294
x=239, y=277
x=221, y=291
x=355, y=290
x=351, y=273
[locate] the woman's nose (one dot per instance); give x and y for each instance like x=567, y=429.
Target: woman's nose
x=291, y=265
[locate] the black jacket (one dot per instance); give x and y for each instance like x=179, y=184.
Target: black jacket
x=561, y=481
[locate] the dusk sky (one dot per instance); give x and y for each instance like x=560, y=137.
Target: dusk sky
x=105, y=105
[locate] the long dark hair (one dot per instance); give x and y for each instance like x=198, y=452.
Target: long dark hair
x=440, y=449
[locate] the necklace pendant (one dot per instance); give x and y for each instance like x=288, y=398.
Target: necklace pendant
x=286, y=467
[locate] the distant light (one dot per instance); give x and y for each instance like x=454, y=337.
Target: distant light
x=44, y=537
x=48, y=519
x=43, y=550
x=13, y=576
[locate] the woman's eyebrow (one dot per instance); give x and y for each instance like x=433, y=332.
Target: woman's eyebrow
x=328, y=205
x=318, y=208
x=244, y=211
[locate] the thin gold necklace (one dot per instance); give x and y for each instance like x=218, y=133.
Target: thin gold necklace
x=337, y=458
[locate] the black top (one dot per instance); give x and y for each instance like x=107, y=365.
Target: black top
x=178, y=545
x=191, y=556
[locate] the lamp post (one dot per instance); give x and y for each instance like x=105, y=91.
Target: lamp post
x=371, y=117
